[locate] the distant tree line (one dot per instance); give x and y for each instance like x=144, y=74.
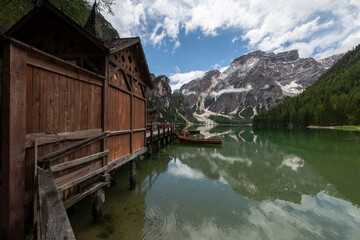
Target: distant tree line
x=333, y=100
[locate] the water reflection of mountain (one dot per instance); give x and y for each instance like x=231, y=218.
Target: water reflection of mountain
x=336, y=160
x=266, y=165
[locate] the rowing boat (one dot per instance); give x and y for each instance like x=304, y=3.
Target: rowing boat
x=200, y=140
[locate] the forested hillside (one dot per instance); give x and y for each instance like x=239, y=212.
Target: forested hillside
x=333, y=100
x=12, y=10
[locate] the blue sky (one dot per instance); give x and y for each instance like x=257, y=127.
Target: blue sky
x=185, y=38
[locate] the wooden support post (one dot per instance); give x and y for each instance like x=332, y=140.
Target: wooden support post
x=149, y=149
x=35, y=183
x=97, y=202
x=168, y=132
x=163, y=137
x=13, y=144
x=133, y=173
x=151, y=141
x=152, y=134
x=158, y=138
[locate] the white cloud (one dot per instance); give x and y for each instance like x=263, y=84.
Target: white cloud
x=182, y=170
x=177, y=69
x=176, y=45
x=179, y=79
x=268, y=25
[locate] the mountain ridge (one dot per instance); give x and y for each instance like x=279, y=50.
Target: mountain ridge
x=333, y=100
x=252, y=83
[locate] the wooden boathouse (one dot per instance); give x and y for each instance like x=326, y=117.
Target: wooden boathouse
x=73, y=110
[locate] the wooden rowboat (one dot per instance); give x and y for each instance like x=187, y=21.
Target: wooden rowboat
x=200, y=140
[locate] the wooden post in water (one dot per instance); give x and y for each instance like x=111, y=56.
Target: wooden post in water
x=163, y=138
x=97, y=202
x=168, y=135
x=151, y=140
x=165, y=134
x=158, y=138
x=133, y=173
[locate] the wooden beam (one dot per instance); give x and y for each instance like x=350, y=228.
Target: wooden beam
x=118, y=67
x=76, y=198
x=131, y=118
x=73, y=163
x=81, y=179
x=125, y=91
x=13, y=146
x=35, y=182
x=32, y=52
x=90, y=64
x=47, y=138
x=139, y=130
x=105, y=98
x=121, y=132
x=121, y=161
x=79, y=55
x=65, y=151
x=54, y=222
x=52, y=66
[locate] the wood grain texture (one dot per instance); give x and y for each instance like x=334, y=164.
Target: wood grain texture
x=13, y=146
x=54, y=222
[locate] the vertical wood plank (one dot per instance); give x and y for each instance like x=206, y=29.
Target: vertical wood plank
x=13, y=144
x=56, y=104
x=105, y=99
x=43, y=105
x=49, y=102
x=29, y=98
x=67, y=101
x=36, y=101
x=73, y=99
x=62, y=90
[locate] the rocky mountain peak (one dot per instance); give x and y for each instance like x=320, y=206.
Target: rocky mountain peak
x=288, y=56
x=253, y=82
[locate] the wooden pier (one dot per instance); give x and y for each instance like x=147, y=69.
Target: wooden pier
x=49, y=209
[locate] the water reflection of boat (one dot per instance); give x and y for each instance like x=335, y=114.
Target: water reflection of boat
x=200, y=140
x=194, y=131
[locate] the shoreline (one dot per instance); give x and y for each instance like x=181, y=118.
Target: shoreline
x=342, y=128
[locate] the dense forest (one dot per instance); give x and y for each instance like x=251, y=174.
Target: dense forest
x=333, y=100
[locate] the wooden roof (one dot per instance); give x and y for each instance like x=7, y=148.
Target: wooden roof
x=98, y=26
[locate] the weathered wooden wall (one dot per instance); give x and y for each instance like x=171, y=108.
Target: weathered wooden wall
x=49, y=104
x=129, y=93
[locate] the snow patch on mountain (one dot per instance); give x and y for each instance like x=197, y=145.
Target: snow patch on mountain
x=291, y=89
x=231, y=89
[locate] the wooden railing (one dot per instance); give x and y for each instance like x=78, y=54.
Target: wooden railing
x=52, y=220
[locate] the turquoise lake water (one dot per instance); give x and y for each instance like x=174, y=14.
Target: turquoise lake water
x=265, y=184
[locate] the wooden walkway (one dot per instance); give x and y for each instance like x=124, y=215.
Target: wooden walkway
x=50, y=211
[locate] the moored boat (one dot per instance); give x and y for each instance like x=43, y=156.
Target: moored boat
x=200, y=140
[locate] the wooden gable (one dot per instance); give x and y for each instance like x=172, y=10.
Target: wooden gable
x=48, y=29
x=128, y=70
